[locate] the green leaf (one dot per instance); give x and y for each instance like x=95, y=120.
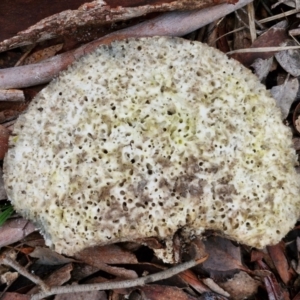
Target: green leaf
x=5, y=214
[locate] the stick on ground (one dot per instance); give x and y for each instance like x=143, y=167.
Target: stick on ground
x=168, y=24
x=120, y=284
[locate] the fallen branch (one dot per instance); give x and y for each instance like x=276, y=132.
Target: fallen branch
x=120, y=284
x=6, y=260
x=12, y=95
x=96, y=13
x=169, y=24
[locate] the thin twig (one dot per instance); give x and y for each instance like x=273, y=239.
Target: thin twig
x=4, y=259
x=262, y=27
x=266, y=7
x=294, y=32
x=230, y=32
x=169, y=24
x=240, y=19
x=279, y=16
x=120, y=284
x=251, y=18
x=12, y=95
x=263, y=49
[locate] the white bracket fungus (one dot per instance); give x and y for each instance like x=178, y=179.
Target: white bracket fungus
x=148, y=136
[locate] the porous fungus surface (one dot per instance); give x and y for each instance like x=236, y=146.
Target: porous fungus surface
x=147, y=136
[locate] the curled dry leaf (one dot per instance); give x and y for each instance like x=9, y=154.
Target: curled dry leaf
x=274, y=290
x=42, y=54
x=277, y=253
x=47, y=256
x=189, y=277
x=95, y=13
x=9, y=277
x=289, y=59
x=240, y=286
x=262, y=67
x=215, y=287
x=285, y=94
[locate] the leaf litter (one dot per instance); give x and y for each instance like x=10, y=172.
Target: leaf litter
x=231, y=270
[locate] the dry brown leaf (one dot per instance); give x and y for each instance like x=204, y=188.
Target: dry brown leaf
x=223, y=256
x=274, y=290
x=212, y=296
x=42, y=54
x=14, y=230
x=92, y=295
x=4, y=135
x=110, y=254
x=100, y=256
x=160, y=292
x=190, y=278
x=274, y=36
x=241, y=38
x=145, y=268
x=57, y=278
x=35, y=239
x=81, y=271
x=297, y=297
x=277, y=254
x=196, y=248
x=222, y=42
x=296, y=264
x=47, y=256
x=256, y=255
x=11, y=109
x=296, y=142
x=15, y=296
x=241, y=286
x=151, y=242
x=117, y=271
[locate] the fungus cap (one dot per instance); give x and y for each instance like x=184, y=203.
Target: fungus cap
x=148, y=136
